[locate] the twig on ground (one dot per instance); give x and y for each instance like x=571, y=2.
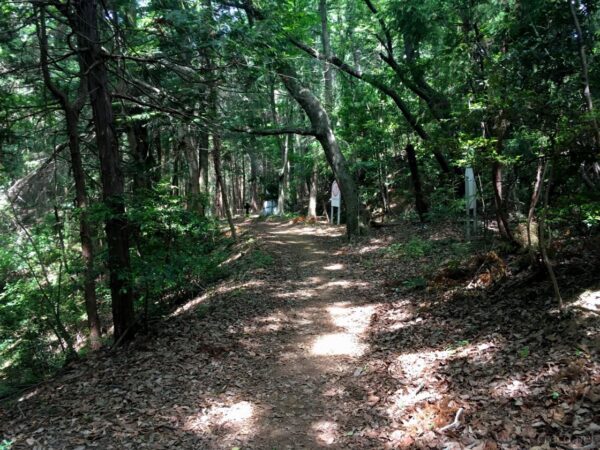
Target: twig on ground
x=418, y=389
x=454, y=424
x=583, y=308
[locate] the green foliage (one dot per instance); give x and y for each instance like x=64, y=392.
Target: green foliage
x=260, y=259
x=41, y=298
x=523, y=352
x=415, y=283
x=175, y=248
x=415, y=248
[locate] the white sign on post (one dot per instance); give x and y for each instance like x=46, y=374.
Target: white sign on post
x=336, y=201
x=471, y=201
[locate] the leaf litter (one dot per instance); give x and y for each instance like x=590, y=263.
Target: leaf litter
x=333, y=345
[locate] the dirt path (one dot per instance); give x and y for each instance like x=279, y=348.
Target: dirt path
x=324, y=324
x=264, y=367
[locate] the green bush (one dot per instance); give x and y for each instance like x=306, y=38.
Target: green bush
x=415, y=248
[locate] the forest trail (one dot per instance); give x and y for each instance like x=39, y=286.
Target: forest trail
x=264, y=367
x=310, y=344
x=324, y=322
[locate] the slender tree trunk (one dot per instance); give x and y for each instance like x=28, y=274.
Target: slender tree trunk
x=221, y=183
x=382, y=186
x=585, y=77
x=71, y=111
x=500, y=199
x=85, y=234
x=543, y=243
x=139, y=143
x=283, y=144
x=244, y=192
x=535, y=195
x=233, y=188
x=284, y=176
x=160, y=161
x=254, y=196
x=325, y=42
x=85, y=24
x=191, y=154
x=175, y=176
x=420, y=203
x=203, y=157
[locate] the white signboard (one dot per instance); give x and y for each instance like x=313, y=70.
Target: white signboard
x=336, y=201
x=470, y=201
x=470, y=188
x=336, y=195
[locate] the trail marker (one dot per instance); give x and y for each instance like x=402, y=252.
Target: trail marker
x=471, y=201
x=336, y=201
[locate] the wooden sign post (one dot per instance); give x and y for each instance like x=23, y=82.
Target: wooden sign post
x=336, y=201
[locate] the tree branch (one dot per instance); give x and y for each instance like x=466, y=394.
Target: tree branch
x=274, y=131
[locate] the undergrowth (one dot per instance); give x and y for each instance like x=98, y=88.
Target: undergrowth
x=174, y=254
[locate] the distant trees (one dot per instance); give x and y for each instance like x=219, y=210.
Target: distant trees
x=188, y=110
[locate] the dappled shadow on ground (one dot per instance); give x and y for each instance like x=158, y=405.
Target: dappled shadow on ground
x=314, y=352
x=255, y=363
x=523, y=375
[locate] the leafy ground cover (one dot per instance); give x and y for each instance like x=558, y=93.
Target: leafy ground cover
x=389, y=342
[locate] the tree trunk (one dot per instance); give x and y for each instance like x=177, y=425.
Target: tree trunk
x=254, y=196
x=85, y=24
x=203, y=154
x=233, y=188
x=139, y=143
x=71, y=111
x=535, y=195
x=85, y=233
x=244, y=192
x=284, y=176
x=420, y=203
x=543, y=243
x=191, y=154
x=159, y=157
x=322, y=128
x=585, y=77
x=500, y=203
x=221, y=183
x=500, y=199
x=175, y=177
x=325, y=42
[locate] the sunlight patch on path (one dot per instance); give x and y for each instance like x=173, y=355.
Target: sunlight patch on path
x=354, y=319
x=338, y=344
x=344, y=284
x=238, y=418
x=589, y=299
x=326, y=431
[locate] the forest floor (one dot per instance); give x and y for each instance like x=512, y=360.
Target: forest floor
x=325, y=344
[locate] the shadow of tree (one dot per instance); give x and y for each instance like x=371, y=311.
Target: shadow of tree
x=248, y=372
